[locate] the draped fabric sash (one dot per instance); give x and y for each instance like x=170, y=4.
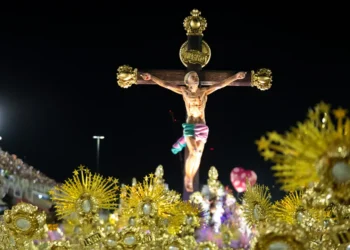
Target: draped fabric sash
x=199, y=131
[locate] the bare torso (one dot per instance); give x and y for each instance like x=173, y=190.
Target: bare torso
x=195, y=105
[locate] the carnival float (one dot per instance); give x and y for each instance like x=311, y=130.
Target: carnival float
x=312, y=164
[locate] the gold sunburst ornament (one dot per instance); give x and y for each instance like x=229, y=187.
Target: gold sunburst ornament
x=293, y=210
x=147, y=201
x=290, y=208
x=256, y=205
x=85, y=194
x=316, y=150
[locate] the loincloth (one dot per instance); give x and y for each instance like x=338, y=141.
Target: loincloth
x=199, y=131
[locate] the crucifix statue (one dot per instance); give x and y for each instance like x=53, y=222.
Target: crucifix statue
x=194, y=85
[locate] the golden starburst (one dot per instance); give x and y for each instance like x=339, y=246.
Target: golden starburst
x=289, y=209
x=85, y=194
x=256, y=205
x=297, y=152
x=148, y=201
x=293, y=210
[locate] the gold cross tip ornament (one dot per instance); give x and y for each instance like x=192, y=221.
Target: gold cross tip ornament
x=126, y=76
x=195, y=25
x=262, y=79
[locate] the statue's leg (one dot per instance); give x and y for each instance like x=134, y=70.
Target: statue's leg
x=190, y=162
x=198, y=157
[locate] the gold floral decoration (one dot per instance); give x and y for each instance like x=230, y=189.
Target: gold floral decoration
x=256, y=204
x=315, y=150
x=85, y=194
x=147, y=201
x=24, y=222
x=280, y=235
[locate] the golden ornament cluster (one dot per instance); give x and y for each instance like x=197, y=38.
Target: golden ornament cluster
x=312, y=165
x=126, y=76
x=262, y=79
x=146, y=215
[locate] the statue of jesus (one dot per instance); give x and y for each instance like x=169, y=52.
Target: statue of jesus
x=195, y=130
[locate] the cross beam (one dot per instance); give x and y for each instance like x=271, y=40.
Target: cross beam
x=128, y=76
x=207, y=78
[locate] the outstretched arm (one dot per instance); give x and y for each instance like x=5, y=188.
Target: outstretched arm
x=226, y=82
x=164, y=84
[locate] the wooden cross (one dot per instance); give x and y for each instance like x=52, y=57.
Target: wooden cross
x=194, y=54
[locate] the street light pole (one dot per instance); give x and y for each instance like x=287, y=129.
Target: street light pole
x=98, y=138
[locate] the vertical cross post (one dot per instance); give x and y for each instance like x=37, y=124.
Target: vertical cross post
x=192, y=57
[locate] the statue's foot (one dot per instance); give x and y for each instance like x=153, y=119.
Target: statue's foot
x=188, y=184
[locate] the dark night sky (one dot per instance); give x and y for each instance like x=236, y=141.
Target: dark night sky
x=58, y=86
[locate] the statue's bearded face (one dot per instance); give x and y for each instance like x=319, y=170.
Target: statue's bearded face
x=193, y=82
